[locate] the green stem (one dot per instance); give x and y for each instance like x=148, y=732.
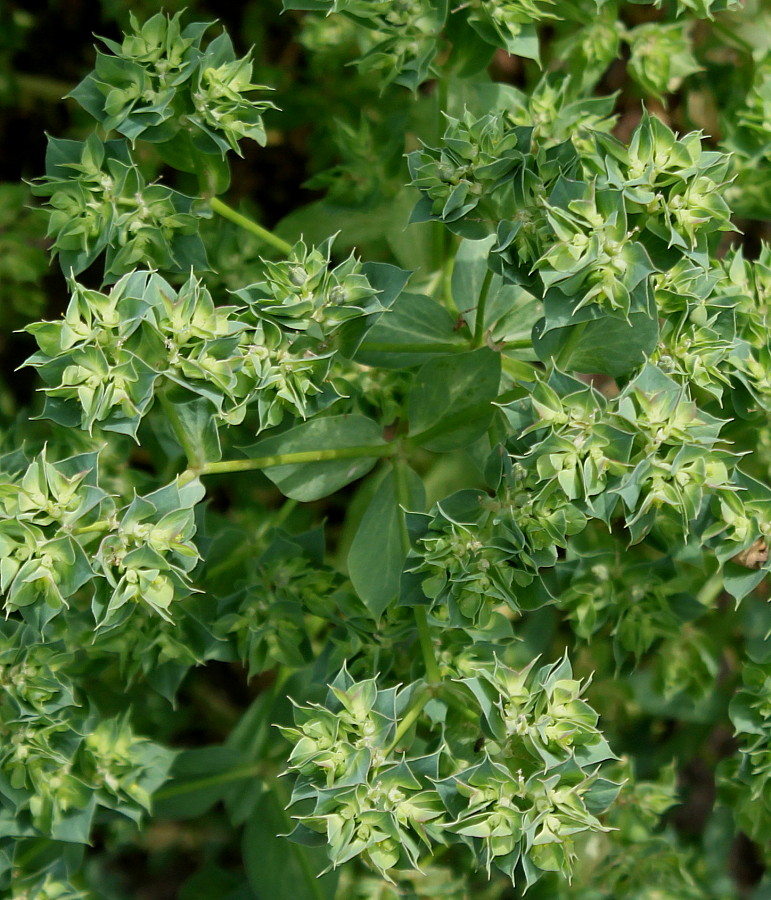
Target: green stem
x=403, y=498
x=226, y=466
x=479, y=320
x=427, y=646
x=242, y=221
x=409, y=720
x=521, y=344
x=179, y=432
x=441, y=90
x=424, y=635
x=52, y=90
x=711, y=589
x=238, y=773
x=447, y=296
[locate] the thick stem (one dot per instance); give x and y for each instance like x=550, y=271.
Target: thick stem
x=247, y=224
x=711, y=589
x=479, y=320
x=409, y=719
x=427, y=646
x=179, y=432
x=227, y=466
x=238, y=773
x=424, y=635
x=447, y=286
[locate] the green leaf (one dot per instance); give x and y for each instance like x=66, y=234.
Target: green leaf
x=199, y=778
x=414, y=327
x=450, y=404
x=468, y=273
x=608, y=345
x=389, y=281
x=193, y=424
x=314, y=480
x=510, y=312
x=740, y=581
x=278, y=869
x=377, y=553
x=74, y=826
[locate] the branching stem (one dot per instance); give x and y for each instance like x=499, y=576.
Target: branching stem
x=238, y=773
x=180, y=434
x=424, y=634
x=227, y=466
x=479, y=320
x=427, y=646
x=227, y=212
x=409, y=720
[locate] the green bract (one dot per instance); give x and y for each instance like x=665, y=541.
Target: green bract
x=427, y=528
x=161, y=86
x=524, y=795
x=101, y=202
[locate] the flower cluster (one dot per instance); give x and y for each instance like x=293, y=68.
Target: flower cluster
x=661, y=56
x=303, y=294
x=518, y=797
x=461, y=182
x=59, y=764
x=641, y=606
x=46, y=886
x=476, y=552
x=651, y=448
x=267, y=619
x=511, y=24
x=634, y=858
x=746, y=780
x=50, y=516
x=161, y=85
x=100, y=202
x=555, y=113
x=595, y=223
x=401, y=39
x=558, y=418
x=111, y=354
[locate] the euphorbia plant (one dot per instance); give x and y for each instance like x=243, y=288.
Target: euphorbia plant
x=538, y=438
